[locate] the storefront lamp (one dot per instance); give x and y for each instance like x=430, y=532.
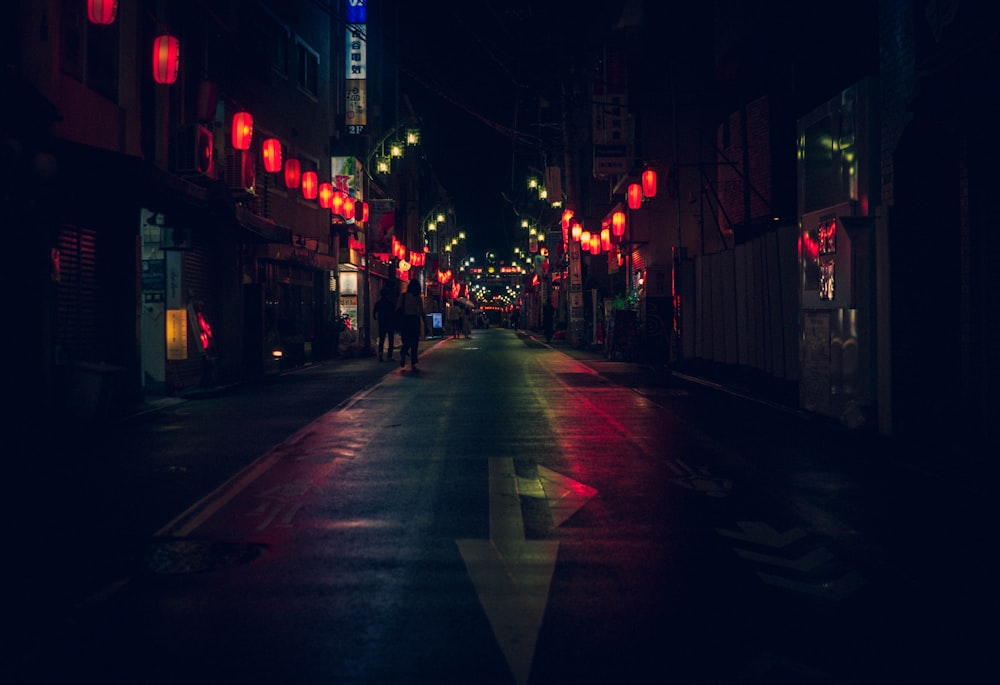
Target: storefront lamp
x=166, y=59
x=102, y=11
x=413, y=136
x=271, y=152
x=396, y=150
x=242, y=130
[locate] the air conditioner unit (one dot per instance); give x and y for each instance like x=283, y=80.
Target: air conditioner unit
x=194, y=152
x=241, y=173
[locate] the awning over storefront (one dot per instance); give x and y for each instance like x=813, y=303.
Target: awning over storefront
x=261, y=228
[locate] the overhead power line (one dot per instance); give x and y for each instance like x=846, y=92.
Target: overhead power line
x=512, y=133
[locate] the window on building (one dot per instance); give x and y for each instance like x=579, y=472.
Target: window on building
x=274, y=37
x=307, y=73
x=88, y=52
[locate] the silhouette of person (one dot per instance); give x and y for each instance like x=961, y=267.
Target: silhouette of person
x=411, y=306
x=455, y=318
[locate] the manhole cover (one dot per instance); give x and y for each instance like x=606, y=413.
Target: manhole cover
x=171, y=557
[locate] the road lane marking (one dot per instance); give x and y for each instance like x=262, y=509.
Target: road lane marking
x=512, y=575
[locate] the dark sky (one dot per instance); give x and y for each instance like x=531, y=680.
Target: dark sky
x=479, y=74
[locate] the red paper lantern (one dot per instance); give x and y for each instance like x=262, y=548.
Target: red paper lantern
x=364, y=213
x=618, y=223
x=166, y=59
x=606, y=239
x=337, y=203
x=326, y=195
x=271, y=152
x=339, y=198
x=102, y=11
x=595, y=243
x=585, y=238
x=293, y=173
x=566, y=216
x=634, y=196
x=310, y=184
x=349, y=207
x=242, y=130
x=577, y=230
x=649, y=183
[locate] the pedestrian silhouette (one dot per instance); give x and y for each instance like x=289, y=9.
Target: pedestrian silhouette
x=455, y=319
x=411, y=309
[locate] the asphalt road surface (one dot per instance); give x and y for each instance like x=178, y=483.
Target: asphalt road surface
x=509, y=514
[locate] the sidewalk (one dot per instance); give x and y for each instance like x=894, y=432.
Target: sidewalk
x=152, y=403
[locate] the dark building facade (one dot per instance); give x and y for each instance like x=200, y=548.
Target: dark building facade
x=162, y=257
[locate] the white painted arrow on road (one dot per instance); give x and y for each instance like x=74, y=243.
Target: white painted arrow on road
x=512, y=575
x=565, y=496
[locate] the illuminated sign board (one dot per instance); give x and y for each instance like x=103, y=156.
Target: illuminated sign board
x=356, y=68
x=357, y=11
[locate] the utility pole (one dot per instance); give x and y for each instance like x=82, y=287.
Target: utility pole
x=575, y=298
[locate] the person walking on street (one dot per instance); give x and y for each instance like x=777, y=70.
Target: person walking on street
x=455, y=319
x=411, y=307
x=384, y=314
x=466, y=322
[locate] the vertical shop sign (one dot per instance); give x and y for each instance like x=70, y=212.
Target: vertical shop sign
x=575, y=294
x=356, y=68
x=610, y=122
